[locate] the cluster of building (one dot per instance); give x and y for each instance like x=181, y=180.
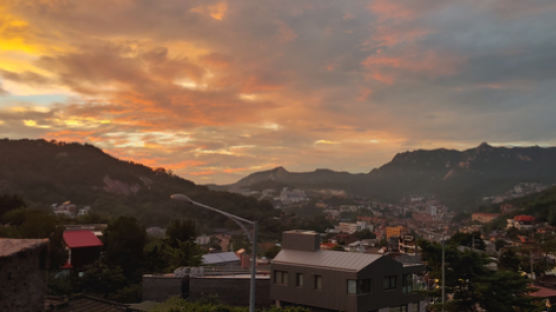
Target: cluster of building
x=69, y=210
x=519, y=190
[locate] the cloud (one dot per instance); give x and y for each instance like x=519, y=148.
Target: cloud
x=216, y=89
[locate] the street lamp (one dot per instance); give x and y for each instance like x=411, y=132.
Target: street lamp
x=252, y=236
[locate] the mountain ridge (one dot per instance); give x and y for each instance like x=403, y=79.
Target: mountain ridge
x=457, y=177
x=46, y=172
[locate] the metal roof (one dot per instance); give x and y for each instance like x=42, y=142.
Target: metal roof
x=219, y=257
x=339, y=260
x=11, y=246
x=81, y=238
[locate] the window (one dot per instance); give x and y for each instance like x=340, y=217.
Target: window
x=359, y=287
x=390, y=282
x=299, y=280
x=352, y=287
x=318, y=282
x=407, y=283
x=281, y=278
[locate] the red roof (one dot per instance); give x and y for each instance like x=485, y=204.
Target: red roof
x=524, y=218
x=81, y=238
x=543, y=292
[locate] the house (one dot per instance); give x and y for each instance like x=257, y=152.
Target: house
x=23, y=264
x=83, y=247
x=326, y=280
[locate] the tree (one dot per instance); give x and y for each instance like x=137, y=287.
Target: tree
x=10, y=202
x=365, y=234
x=468, y=239
x=180, y=231
x=472, y=285
x=124, y=241
x=504, y=291
x=509, y=261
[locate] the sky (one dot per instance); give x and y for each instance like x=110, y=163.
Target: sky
x=214, y=90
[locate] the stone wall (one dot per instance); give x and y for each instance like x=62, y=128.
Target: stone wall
x=23, y=281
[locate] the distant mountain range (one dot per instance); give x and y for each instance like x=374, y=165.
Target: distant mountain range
x=46, y=172
x=458, y=178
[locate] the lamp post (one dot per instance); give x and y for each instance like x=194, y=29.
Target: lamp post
x=252, y=236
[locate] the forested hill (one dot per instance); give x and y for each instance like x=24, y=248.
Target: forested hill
x=45, y=172
x=458, y=178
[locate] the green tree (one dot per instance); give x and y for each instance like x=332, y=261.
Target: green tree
x=509, y=261
x=10, y=202
x=180, y=231
x=468, y=239
x=364, y=234
x=472, y=285
x=124, y=241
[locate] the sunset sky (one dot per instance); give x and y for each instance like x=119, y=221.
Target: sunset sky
x=215, y=90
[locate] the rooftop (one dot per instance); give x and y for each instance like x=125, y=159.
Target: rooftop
x=81, y=238
x=12, y=246
x=339, y=260
x=219, y=257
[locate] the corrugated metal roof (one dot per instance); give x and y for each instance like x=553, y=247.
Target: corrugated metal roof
x=219, y=257
x=10, y=246
x=81, y=238
x=339, y=260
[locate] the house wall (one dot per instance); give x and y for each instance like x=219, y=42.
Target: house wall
x=334, y=296
x=23, y=281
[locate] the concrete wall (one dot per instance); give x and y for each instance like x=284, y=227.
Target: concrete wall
x=229, y=290
x=160, y=288
x=23, y=281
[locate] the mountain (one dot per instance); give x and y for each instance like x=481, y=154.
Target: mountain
x=280, y=177
x=47, y=172
x=459, y=178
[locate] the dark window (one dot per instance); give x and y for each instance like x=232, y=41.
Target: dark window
x=359, y=287
x=281, y=278
x=390, y=282
x=299, y=279
x=318, y=282
x=407, y=283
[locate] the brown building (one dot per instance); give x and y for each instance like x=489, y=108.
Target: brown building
x=326, y=280
x=23, y=274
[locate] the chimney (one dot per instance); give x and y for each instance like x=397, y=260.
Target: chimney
x=301, y=240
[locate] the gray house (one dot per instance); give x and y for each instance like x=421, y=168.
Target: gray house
x=325, y=280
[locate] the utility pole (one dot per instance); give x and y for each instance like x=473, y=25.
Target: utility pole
x=443, y=289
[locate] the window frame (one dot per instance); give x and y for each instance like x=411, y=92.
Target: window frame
x=299, y=280
x=360, y=287
x=390, y=282
x=317, y=282
x=280, y=278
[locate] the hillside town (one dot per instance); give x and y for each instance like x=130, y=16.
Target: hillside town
x=378, y=251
